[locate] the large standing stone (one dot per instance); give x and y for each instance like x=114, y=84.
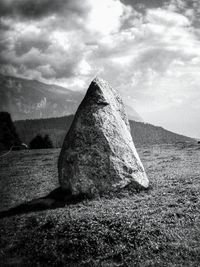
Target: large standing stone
x=98, y=154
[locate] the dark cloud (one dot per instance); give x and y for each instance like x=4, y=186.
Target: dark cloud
x=3, y=27
x=29, y=46
x=27, y=42
x=35, y=9
x=143, y=4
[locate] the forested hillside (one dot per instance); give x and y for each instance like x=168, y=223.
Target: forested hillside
x=56, y=128
x=145, y=133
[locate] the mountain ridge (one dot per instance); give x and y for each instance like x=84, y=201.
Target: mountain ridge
x=32, y=99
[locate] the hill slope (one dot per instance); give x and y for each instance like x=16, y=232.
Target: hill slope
x=158, y=227
x=142, y=133
x=30, y=99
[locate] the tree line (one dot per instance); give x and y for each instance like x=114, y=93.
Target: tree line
x=10, y=140
x=48, y=133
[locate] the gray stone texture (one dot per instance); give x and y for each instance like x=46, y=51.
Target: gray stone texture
x=98, y=154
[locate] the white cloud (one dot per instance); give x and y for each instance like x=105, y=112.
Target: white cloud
x=105, y=16
x=84, y=68
x=152, y=57
x=160, y=16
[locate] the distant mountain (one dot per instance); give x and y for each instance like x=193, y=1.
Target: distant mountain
x=133, y=115
x=56, y=128
x=30, y=99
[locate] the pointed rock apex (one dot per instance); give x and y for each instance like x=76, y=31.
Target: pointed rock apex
x=98, y=154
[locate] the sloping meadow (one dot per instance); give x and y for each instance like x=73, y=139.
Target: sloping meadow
x=157, y=227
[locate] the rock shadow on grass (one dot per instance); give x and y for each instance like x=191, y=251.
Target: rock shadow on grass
x=57, y=198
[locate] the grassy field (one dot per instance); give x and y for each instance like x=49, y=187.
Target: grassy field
x=158, y=227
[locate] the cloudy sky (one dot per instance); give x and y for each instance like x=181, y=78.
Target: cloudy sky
x=148, y=49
